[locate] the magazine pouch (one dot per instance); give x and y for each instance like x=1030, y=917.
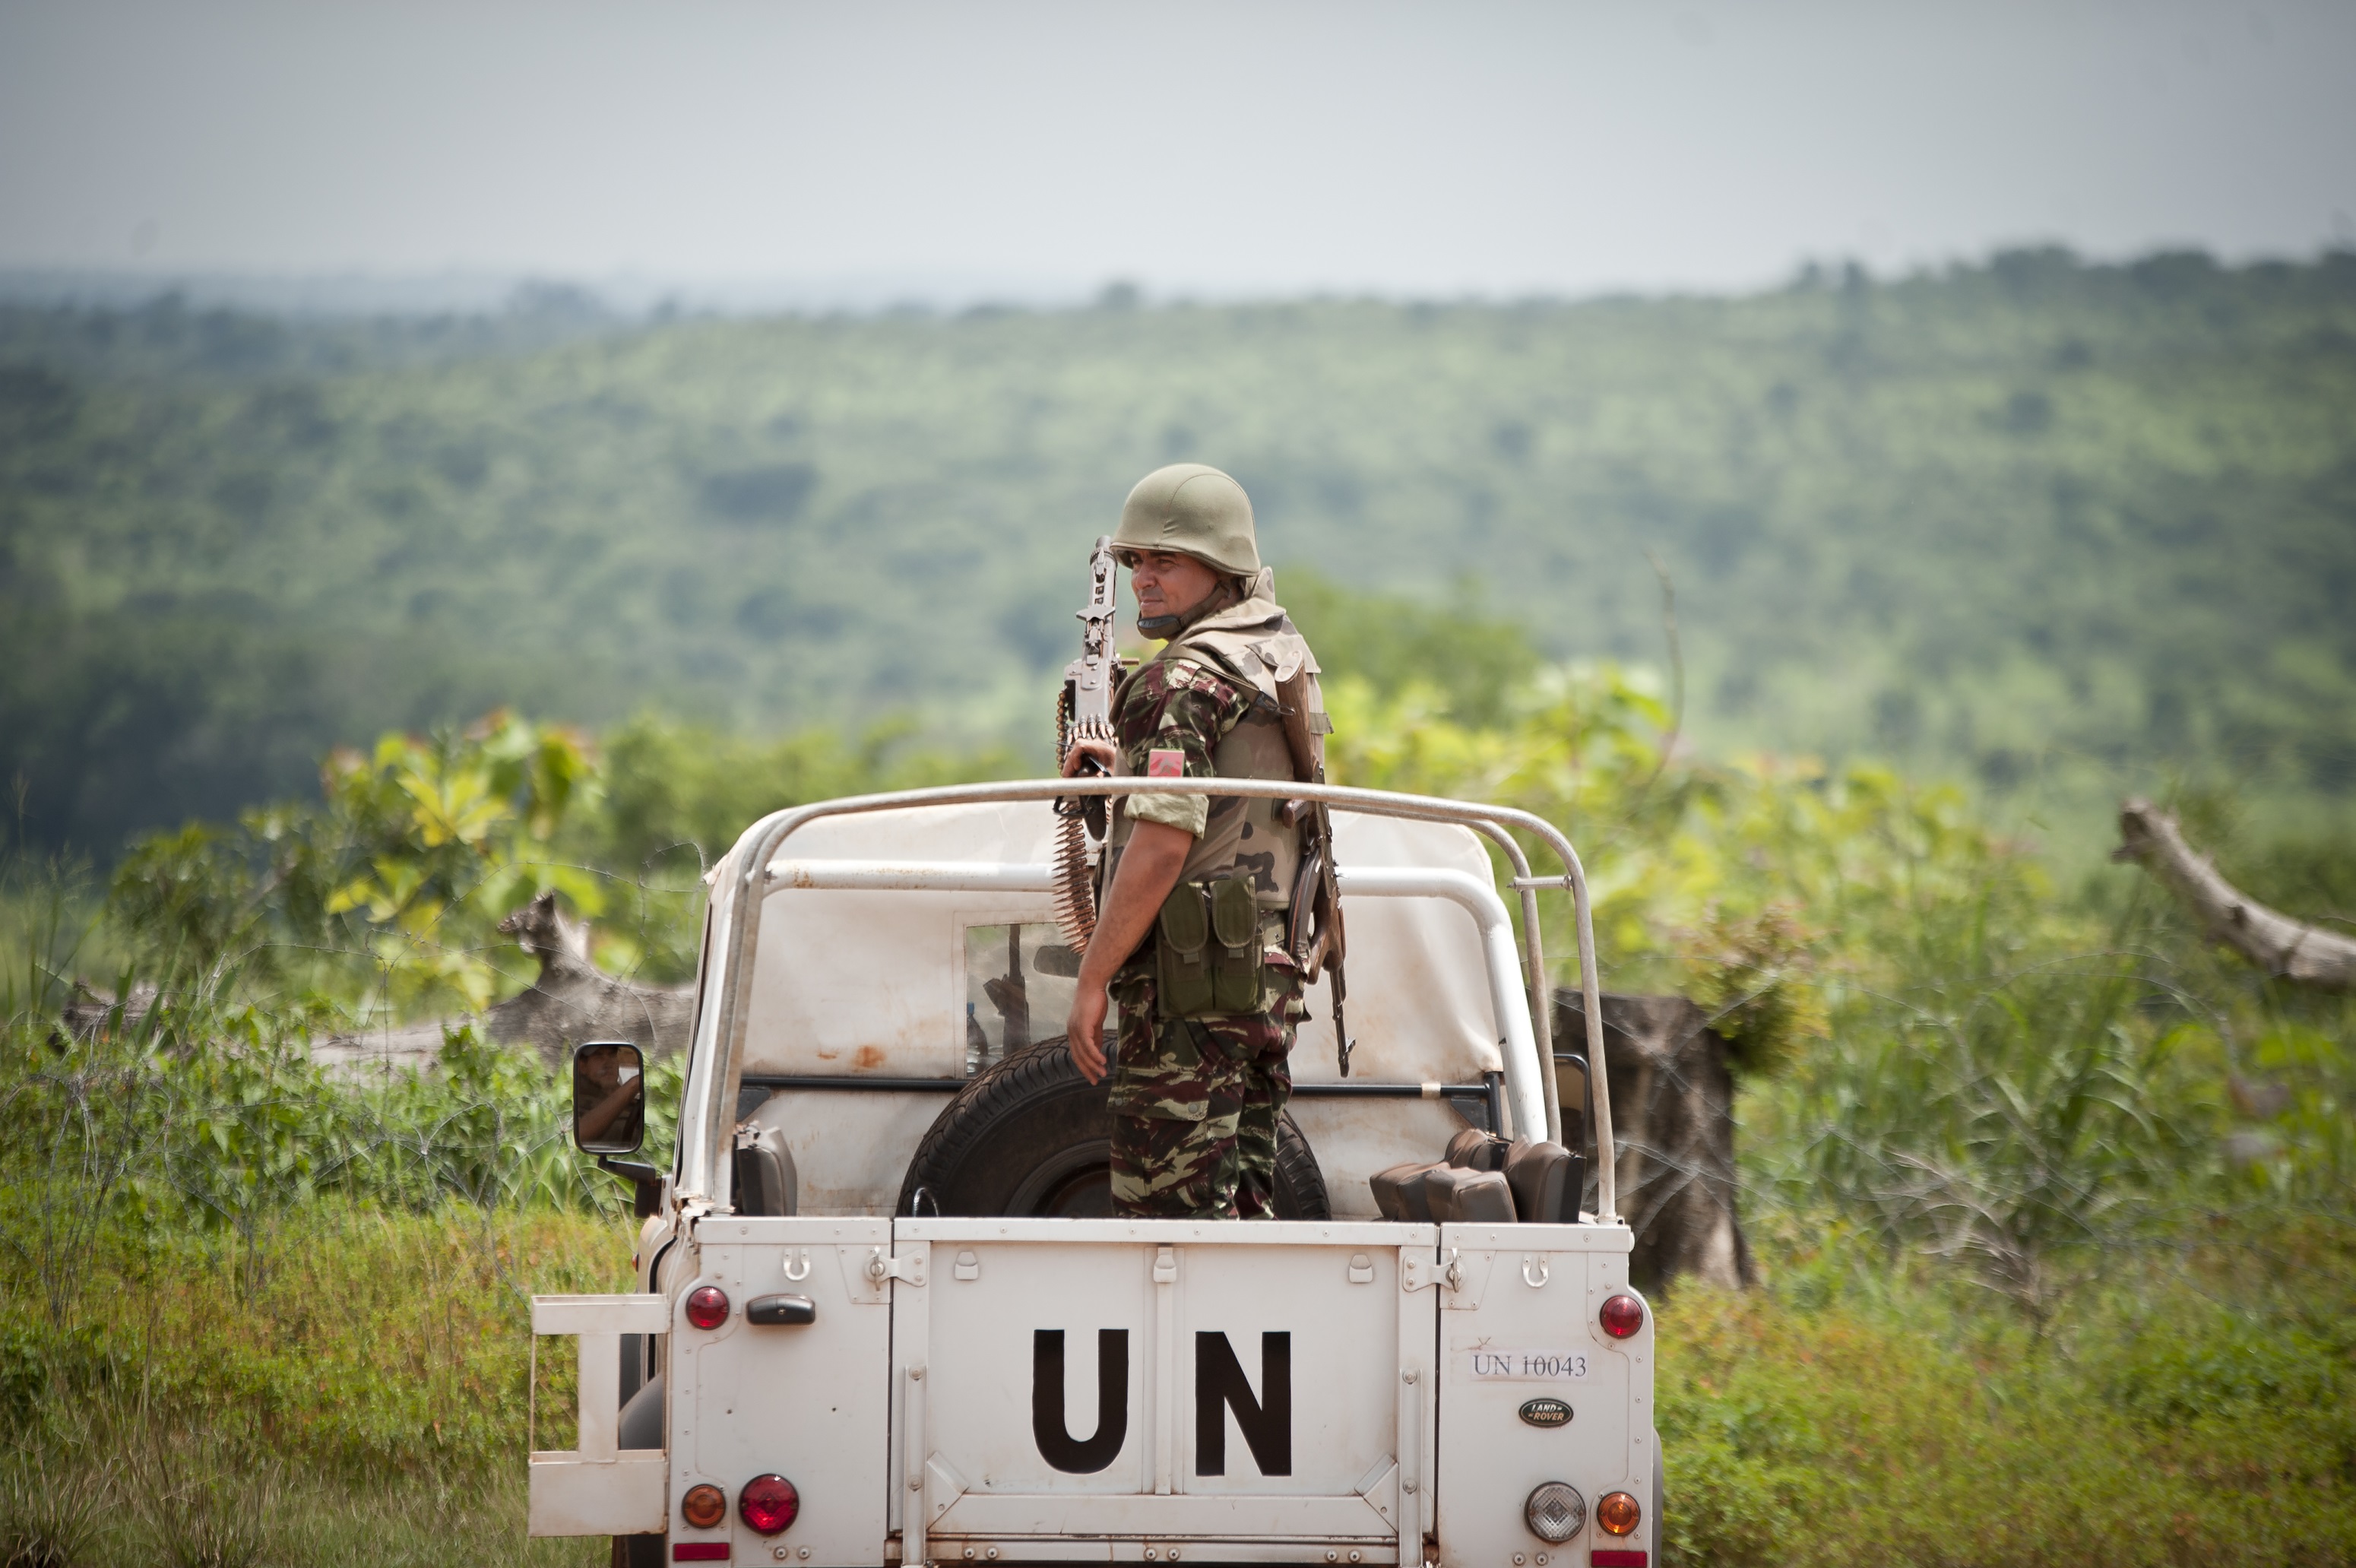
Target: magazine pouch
x=1208, y=958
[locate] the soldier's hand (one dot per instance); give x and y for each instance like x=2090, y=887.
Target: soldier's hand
x=1099, y=752
x=1083, y=1032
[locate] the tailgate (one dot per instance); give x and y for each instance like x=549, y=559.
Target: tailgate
x=1139, y=1391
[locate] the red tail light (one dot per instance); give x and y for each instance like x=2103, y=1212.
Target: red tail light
x=768, y=1503
x=1622, y=1315
x=707, y=1307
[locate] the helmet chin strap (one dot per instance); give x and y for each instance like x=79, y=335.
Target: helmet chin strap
x=1226, y=593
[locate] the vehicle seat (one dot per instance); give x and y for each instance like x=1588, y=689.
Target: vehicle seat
x=1463, y=1197
x=1476, y=1149
x=1546, y=1180
x=1537, y=1183
x=766, y=1184
x=1400, y=1192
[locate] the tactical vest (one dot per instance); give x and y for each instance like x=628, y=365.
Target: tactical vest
x=1255, y=645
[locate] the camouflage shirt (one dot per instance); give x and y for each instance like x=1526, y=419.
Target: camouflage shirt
x=1184, y=717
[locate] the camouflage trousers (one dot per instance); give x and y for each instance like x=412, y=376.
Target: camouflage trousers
x=1194, y=1107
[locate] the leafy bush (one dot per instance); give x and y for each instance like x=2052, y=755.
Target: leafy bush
x=1956, y=1073
x=384, y=895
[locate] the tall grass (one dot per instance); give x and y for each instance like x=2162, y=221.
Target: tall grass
x=213, y=1510
x=2053, y=1202
x=2163, y=1413
x=365, y=1392
x=1998, y=1104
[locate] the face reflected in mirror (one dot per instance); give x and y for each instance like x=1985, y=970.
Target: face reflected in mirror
x=609, y=1098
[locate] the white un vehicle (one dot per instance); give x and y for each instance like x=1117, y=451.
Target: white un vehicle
x=885, y=1316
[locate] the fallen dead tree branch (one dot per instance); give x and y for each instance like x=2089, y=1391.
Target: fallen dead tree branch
x=571, y=1001
x=2285, y=949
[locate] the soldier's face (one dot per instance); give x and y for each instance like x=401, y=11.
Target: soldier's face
x=1167, y=583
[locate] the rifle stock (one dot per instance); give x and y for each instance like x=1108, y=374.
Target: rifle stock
x=1316, y=937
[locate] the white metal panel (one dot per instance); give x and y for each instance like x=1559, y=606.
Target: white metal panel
x=1540, y=1290
x=1348, y=1518
x=1351, y=1334
x=1346, y=1552
x=1181, y=1232
x=810, y=1403
x=573, y=1496
x=1344, y=1348
x=594, y=1489
x=980, y=1346
x=600, y=1314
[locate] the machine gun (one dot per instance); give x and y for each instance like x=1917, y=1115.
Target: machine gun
x=1084, y=712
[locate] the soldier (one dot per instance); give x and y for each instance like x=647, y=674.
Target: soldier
x=1191, y=925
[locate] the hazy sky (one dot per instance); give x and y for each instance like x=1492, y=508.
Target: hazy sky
x=1260, y=147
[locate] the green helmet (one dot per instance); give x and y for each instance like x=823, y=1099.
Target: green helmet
x=1193, y=509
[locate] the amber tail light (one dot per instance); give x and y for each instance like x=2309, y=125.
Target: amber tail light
x=705, y=1506
x=1619, y=1514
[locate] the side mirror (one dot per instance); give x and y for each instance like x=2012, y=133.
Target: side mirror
x=609, y=1098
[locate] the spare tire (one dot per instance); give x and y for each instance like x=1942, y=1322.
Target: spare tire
x=1031, y=1137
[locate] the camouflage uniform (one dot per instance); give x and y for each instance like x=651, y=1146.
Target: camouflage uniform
x=1233, y=694
x=1195, y=1101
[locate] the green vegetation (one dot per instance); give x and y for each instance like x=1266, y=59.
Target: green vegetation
x=2191, y=1409
x=2195, y=1412
x=2027, y=522
x=2051, y=1197
x=363, y=1397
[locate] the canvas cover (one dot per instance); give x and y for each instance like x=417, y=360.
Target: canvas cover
x=876, y=983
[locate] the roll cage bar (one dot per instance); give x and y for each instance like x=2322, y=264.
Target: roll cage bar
x=732, y=937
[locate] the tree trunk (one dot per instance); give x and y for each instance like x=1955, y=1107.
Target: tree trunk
x=574, y=1000
x=571, y=1001
x=1673, y=1116
x=2285, y=949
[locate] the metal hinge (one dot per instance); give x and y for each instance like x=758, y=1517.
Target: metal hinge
x=1419, y=1272
x=882, y=1266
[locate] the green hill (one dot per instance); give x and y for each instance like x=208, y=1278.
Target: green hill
x=2012, y=518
